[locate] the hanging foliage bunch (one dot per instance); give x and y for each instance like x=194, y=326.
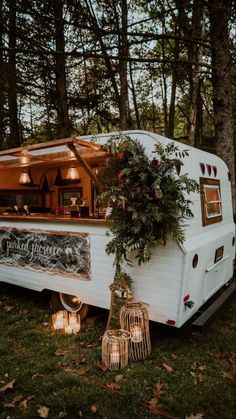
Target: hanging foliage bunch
x=148, y=198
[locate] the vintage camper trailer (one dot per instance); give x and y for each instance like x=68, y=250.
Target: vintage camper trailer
x=53, y=235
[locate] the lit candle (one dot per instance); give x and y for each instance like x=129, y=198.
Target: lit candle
x=136, y=333
x=68, y=329
x=58, y=320
x=58, y=324
x=114, y=354
x=73, y=319
x=76, y=328
x=115, y=357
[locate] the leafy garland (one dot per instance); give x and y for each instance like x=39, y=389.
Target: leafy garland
x=147, y=199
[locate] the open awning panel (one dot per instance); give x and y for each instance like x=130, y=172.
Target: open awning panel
x=52, y=152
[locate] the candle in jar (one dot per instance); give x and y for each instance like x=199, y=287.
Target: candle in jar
x=136, y=333
x=58, y=324
x=115, y=357
x=58, y=320
x=115, y=353
x=73, y=319
x=68, y=329
x=76, y=328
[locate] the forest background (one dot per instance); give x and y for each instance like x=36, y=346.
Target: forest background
x=70, y=67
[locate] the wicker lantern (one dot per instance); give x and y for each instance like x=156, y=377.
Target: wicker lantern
x=115, y=349
x=134, y=318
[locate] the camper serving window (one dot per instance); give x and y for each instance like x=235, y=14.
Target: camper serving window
x=211, y=201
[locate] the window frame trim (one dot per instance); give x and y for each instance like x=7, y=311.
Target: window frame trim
x=212, y=219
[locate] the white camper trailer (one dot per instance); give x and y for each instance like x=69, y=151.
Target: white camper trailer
x=51, y=237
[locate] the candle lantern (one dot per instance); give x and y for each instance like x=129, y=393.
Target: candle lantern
x=66, y=322
x=115, y=349
x=134, y=318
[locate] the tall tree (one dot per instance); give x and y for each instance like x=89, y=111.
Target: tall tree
x=14, y=135
x=123, y=53
x=220, y=12
x=63, y=126
x=195, y=81
x=2, y=77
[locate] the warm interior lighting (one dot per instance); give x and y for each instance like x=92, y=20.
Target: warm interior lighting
x=24, y=159
x=24, y=178
x=72, y=174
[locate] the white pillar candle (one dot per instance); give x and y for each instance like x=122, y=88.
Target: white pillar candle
x=76, y=328
x=68, y=329
x=114, y=354
x=73, y=319
x=136, y=333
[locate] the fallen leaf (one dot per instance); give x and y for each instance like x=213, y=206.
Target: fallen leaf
x=101, y=366
x=227, y=376
x=78, y=360
x=167, y=367
x=197, y=416
x=78, y=372
x=94, y=408
x=8, y=308
x=9, y=405
x=8, y=386
x=113, y=386
x=17, y=398
x=159, y=390
x=24, y=311
x=202, y=367
x=173, y=356
x=231, y=359
x=24, y=404
x=43, y=411
x=60, y=352
x=201, y=378
x=153, y=405
x=30, y=397
x=194, y=366
x=119, y=378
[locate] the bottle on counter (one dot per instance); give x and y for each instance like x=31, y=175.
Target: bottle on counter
x=74, y=207
x=84, y=209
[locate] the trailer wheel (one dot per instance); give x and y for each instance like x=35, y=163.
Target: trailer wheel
x=71, y=303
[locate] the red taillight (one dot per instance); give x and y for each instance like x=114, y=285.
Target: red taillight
x=186, y=298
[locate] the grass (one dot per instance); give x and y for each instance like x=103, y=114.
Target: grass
x=47, y=370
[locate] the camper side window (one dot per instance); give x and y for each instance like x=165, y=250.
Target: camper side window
x=211, y=201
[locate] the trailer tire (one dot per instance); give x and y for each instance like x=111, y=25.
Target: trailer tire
x=61, y=301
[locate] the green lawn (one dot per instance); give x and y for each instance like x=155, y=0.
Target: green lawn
x=48, y=374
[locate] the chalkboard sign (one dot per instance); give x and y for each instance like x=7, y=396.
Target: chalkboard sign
x=62, y=253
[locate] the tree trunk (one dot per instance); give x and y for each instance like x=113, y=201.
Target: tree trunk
x=14, y=136
x=220, y=12
x=64, y=126
x=2, y=73
x=134, y=96
x=124, y=50
x=195, y=82
x=171, y=121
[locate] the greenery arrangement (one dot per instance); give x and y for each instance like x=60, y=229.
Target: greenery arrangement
x=147, y=198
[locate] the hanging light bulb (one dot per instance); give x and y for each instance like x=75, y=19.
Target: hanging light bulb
x=24, y=159
x=72, y=174
x=24, y=178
